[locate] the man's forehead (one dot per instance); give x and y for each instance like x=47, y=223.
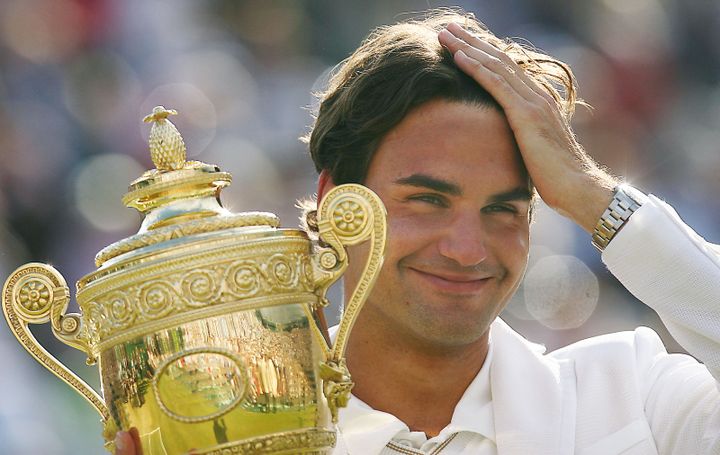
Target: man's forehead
x=446, y=118
x=454, y=144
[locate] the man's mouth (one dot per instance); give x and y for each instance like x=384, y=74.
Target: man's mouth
x=453, y=282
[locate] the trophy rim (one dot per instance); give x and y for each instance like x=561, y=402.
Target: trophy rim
x=133, y=257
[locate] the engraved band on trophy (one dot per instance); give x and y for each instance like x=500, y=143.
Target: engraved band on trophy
x=203, y=324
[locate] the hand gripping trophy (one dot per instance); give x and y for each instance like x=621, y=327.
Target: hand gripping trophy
x=205, y=324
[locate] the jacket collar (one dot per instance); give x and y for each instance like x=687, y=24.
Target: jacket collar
x=533, y=402
x=533, y=397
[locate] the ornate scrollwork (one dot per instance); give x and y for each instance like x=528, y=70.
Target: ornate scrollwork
x=35, y=294
x=200, y=287
x=244, y=278
x=351, y=217
x=70, y=324
x=34, y=297
x=348, y=215
x=125, y=306
x=120, y=309
x=282, y=272
x=157, y=298
x=308, y=442
x=328, y=260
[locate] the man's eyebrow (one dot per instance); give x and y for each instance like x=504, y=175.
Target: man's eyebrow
x=432, y=183
x=520, y=193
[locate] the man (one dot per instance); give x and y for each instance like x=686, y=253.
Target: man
x=455, y=130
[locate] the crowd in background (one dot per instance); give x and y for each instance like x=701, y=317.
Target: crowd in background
x=77, y=76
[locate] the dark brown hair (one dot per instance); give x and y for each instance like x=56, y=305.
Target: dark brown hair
x=396, y=69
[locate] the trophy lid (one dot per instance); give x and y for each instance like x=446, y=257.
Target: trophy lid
x=179, y=197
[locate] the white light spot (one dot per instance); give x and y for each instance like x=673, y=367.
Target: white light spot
x=99, y=186
x=561, y=292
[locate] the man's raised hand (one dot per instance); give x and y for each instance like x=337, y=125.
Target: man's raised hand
x=566, y=178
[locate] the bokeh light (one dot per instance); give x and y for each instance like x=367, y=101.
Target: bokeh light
x=101, y=90
x=223, y=78
x=257, y=184
x=42, y=31
x=36, y=141
x=99, y=185
x=561, y=292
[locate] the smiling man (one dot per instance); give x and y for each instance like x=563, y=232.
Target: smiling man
x=457, y=131
x=458, y=203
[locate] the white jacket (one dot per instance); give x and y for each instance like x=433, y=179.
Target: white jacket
x=623, y=393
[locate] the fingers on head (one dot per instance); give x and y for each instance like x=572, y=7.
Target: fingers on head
x=478, y=70
x=492, y=58
x=488, y=54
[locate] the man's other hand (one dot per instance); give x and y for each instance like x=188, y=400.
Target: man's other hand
x=125, y=444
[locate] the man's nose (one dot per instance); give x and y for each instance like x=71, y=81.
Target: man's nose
x=464, y=240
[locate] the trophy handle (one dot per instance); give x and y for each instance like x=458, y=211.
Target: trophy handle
x=349, y=214
x=36, y=293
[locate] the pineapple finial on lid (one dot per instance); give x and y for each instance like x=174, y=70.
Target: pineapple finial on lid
x=167, y=148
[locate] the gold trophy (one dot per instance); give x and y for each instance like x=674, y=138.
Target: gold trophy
x=206, y=325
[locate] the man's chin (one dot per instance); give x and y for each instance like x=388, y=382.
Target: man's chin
x=452, y=333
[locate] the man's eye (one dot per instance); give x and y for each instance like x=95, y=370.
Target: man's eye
x=433, y=199
x=500, y=208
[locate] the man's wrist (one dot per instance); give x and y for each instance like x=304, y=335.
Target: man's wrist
x=626, y=200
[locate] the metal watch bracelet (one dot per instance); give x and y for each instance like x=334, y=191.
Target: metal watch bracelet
x=625, y=202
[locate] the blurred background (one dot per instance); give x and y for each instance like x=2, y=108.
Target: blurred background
x=77, y=76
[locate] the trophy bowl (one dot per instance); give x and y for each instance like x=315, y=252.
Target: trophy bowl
x=206, y=325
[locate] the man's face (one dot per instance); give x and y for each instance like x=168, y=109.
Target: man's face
x=457, y=199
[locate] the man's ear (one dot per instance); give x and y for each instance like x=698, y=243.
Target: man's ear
x=325, y=184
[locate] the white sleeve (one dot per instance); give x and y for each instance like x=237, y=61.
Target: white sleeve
x=673, y=270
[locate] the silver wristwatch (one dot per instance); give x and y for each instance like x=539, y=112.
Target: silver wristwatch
x=625, y=202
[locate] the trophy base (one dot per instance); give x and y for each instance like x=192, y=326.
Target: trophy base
x=306, y=442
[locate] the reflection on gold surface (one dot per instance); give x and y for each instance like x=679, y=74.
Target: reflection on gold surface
x=220, y=379
x=200, y=384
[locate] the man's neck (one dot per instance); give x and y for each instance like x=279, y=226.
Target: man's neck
x=417, y=385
